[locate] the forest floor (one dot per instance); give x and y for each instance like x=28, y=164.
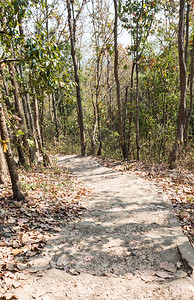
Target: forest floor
x=95, y=232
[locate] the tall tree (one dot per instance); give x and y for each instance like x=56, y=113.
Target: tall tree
x=137, y=17
x=183, y=41
x=17, y=193
x=120, y=121
x=72, y=31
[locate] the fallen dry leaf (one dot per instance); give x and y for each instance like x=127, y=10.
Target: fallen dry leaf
x=168, y=267
x=164, y=274
x=62, y=260
x=22, y=221
x=16, y=251
x=53, y=198
x=147, y=275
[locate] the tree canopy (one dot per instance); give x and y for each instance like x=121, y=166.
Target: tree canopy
x=71, y=82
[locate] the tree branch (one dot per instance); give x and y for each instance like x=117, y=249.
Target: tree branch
x=9, y=60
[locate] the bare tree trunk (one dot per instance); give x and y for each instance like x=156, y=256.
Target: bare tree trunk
x=137, y=112
x=76, y=76
x=130, y=109
x=187, y=32
x=55, y=116
x=9, y=158
x=36, y=119
x=46, y=158
x=189, y=113
x=6, y=92
x=3, y=168
x=16, y=92
x=120, y=122
x=137, y=92
x=18, y=107
x=47, y=27
x=177, y=147
x=109, y=94
x=125, y=111
x=95, y=124
x=97, y=104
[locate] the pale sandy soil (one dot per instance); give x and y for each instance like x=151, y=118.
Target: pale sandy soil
x=124, y=247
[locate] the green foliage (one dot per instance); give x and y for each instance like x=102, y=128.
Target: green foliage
x=19, y=133
x=45, y=58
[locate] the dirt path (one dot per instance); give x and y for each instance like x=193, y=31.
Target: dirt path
x=124, y=247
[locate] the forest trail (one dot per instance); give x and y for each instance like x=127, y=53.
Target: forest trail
x=123, y=247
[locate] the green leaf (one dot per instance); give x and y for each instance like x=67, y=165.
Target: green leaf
x=30, y=142
x=19, y=132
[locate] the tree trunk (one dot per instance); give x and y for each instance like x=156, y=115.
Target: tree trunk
x=189, y=113
x=120, y=122
x=26, y=105
x=76, y=76
x=125, y=111
x=36, y=119
x=109, y=94
x=20, y=114
x=137, y=92
x=137, y=112
x=131, y=109
x=9, y=158
x=95, y=124
x=3, y=168
x=55, y=116
x=46, y=158
x=6, y=92
x=177, y=147
x=97, y=102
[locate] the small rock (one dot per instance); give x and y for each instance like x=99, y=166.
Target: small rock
x=179, y=265
x=133, y=253
x=73, y=272
x=21, y=266
x=182, y=274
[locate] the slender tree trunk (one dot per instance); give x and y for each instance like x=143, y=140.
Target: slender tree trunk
x=189, y=113
x=97, y=103
x=137, y=92
x=9, y=158
x=16, y=92
x=109, y=94
x=120, y=122
x=46, y=158
x=3, y=168
x=131, y=109
x=177, y=147
x=18, y=107
x=47, y=27
x=137, y=112
x=6, y=92
x=183, y=73
x=76, y=76
x=41, y=115
x=24, y=101
x=55, y=116
x=187, y=32
x=125, y=111
x=95, y=125
x=33, y=130
x=36, y=119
